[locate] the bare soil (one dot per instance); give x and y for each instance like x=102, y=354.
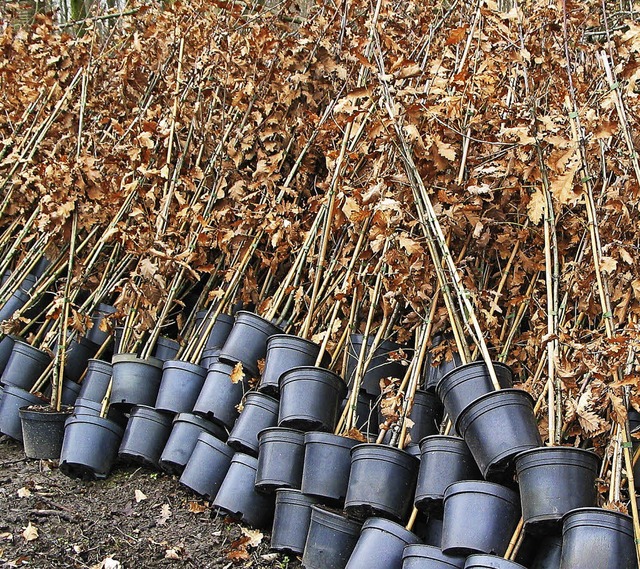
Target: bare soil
x=108, y=525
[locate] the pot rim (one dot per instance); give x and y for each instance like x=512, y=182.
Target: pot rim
x=482, y=487
x=182, y=365
x=556, y=450
x=134, y=358
x=481, y=364
x=334, y=520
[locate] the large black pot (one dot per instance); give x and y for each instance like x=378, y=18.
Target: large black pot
x=310, y=398
x=136, y=381
x=327, y=463
x=96, y=381
x=291, y=521
x=479, y=561
x=43, y=431
x=420, y=556
x=25, y=365
x=238, y=497
x=280, y=459
x=180, y=386
x=382, y=482
x=247, y=341
x=207, y=466
x=145, y=436
x=260, y=412
x=13, y=398
x=479, y=517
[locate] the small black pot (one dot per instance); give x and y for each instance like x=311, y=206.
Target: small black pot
x=330, y=541
x=43, y=431
x=443, y=461
x=247, y=341
x=13, y=398
x=93, y=408
x=379, y=367
x=6, y=347
x=367, y=418
x=310, y=398
x=135, y=381
x=382, y=482
x=219, y=397
x=480, y=561
x=285, y=352
x=95, y=334
x=260, y=412
x=327, y=463
x=207, y=466
x=15, y=302
x=549, y=553
x=466, y=383
x=498, y=426
x=429, y=557
x=145, y=437
x=90, y=447
x=220, y=331
x=553, y=481
x=280, y=459
x=426, y=415
x=291, y=521
x=79, y=352
x=380, y=545
x=25, y=365
x=238, y=497
x=479, y=517
x=430, y=531
x=184, y=435
x=210, y=356
x=433, y=374
x=594, y=537
x=180, y=386
x=166, y=349
x=96, y=381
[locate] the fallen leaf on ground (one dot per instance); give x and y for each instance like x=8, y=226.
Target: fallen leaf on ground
x=255, y=536
x=196, y=507
x=30, y=532
x=24, y=492
x=172, y=553
x=165, y=514
x=140, y=496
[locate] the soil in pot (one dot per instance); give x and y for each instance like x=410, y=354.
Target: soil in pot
x=420, y=556
x=180, y=386
x=382, y=482
x=43, y=430
x=220, y=395
x=380, y=545
x=291, y=520
x=90, y=447
x=280, y=459
x=260, y=412
x=594, y=537
x=553, y=481
x=285, y=352
x=13, y=398
x=207, y=466
x=326, y=467
x=145, y=436
x=310, y=398
x=25, y=365
x=238, y=496
x=136, y=381
x=496, y=427
x=247, y=341
x=464, y=384
x=184, y=435
x=330, y=540
x=490, y=562
x=96, y=381
x=443, y=461
x=479, y=517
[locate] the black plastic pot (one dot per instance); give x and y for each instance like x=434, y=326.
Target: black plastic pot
x=145, y=436
x=433, y=374
x=15, y=302
x=490, y=562
x=207, y=466
x=443, y=461
x=260, y=412
x=6, y=347
x=96, y=381
x=219, y=397
x=498, y=426
x=180, y=386
x=70, y=392
x=95, y=334
x=291, y=521
x=549, y=553
x=220, y=331
x=466, y=383
x=327, y=463
x=426, y=415
x=382, y=482
x=43, y=431
x=479, y=517
x=93, y=408
x=431, y=531
x=367, y=418
x=594, y=537
x=247, y=341
x=135, y=381
x=553, y=481
x=310, y=398
x=210, y=356
x=90, y=447
x=330, y=541
x=184, y=435
x=79, y=352
x=285, y=352
x=13, y=398
x=380, y=545
x=381, y=365
x=25, y=365
x=280, y=459
x=238, y=497
x=429, y=557
x=166, y=349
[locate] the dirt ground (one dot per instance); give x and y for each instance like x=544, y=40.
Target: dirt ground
x=135, y=518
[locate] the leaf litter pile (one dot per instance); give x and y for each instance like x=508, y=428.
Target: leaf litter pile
x=459, y=179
